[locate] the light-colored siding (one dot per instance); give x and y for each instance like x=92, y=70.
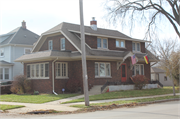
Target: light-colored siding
x=165, y=83
x=16, y=53
x=6, y=56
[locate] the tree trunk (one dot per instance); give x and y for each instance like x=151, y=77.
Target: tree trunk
x=174, y=93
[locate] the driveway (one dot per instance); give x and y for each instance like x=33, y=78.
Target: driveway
x=167, y=110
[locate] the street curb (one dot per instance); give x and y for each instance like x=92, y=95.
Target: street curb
x=152, y=102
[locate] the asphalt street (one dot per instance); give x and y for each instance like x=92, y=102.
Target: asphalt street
x=166, y=110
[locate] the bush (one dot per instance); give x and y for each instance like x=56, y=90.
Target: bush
x=140, y=81
x=20, y=85
x=72, y=85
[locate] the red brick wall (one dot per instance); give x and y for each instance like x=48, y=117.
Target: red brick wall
x=142, y=47
x=75, y=72
x=56, y=44
x=91, y=41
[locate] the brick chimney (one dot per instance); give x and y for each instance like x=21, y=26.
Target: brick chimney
x=24, y=24
x=93, y=24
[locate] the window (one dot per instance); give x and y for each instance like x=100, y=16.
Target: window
x=4, y=74
x=138, y=69
x=50, y=45
x=39, y=70
x=1, y=73
x=1, y=52
x=28, y=71
x=165, y=78
x=136, y=46
x=102, y=43
x=61, y=69
x=120, y=43
x=102, y=69
x=62, y=43
x=27, y=50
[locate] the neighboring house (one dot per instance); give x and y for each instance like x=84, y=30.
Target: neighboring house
x=56, y=57
x=160, y=75
x=13, y=45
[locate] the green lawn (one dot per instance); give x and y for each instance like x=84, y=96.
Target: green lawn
x=7, y=107
x=127, y=94
x=126, y=101
x=34, y=98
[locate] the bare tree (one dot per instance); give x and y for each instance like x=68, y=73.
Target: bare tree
x=151, y=12
x=168, y=53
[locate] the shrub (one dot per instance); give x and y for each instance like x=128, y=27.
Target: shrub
x=140, y=81
x=72, y=85
x=20, y=85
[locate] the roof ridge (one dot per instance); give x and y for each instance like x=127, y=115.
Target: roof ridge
x=13, y=35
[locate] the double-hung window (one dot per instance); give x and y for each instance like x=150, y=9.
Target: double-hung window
x=102, y=69
x=27, y=50
x=62, y=43
x=2, y=52
x=136, y=46
x=61, y=69
x=4, y=74
x=38, y=71
x=138, y=69
x=102, y=43
x=120, y=43
x=50, y=45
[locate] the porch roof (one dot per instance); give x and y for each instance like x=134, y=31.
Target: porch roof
x=5, y=63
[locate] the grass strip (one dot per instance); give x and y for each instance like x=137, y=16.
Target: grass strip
x=127, y=94
x=8, y=107
x=37, y=99
x=126, y=101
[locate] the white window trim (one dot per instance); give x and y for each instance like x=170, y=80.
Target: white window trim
x=62, y=77
x=51, y=44
x=105, y=70
x=136, y=47
x=120, y=43
x=139, y=69
x=3, y=68
x=27, y=48
x=35, y=71
x=3, y=51
x=102, y=43
x=64, y=43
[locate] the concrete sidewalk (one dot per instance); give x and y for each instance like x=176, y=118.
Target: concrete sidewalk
x=64, y=107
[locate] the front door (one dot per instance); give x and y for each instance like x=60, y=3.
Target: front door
x=123, y=73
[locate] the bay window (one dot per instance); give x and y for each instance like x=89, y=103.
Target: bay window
x=102, y=69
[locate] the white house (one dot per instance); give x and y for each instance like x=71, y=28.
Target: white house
x=160, y=75
x=13, y=45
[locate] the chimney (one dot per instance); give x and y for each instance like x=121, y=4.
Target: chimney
x=93, y=24
x=24, y=24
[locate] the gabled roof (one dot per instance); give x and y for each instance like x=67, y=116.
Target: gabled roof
x=157, y=70
x=19, y=36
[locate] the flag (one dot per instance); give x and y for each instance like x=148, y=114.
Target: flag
x=146, y=59
x=133, y=59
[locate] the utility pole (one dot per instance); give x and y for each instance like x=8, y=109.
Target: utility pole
x=84, y=67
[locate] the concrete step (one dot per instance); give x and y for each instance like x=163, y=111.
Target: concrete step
x=96, y=89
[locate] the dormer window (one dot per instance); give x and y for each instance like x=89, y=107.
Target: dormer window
x=102, y=43
x=120, y=43
x=50, y=45
x=136, y=46
x=62, y=43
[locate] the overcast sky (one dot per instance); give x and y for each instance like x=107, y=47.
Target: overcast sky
x=42, y=15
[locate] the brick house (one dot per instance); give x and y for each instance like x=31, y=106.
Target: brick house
x=56, y=57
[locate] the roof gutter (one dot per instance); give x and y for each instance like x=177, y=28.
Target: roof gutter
x=53, y=76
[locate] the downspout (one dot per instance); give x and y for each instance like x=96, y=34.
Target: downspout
x=53, y=75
